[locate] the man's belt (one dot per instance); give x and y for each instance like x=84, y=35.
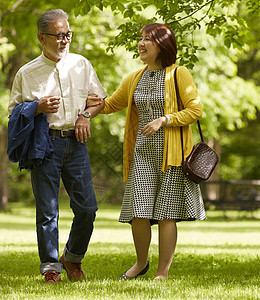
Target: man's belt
x=62, y=133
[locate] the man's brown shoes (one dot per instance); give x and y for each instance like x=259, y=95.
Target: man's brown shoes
x=52, y=277
x=74, y=271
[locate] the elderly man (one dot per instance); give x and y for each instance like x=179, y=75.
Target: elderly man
x=59, y=83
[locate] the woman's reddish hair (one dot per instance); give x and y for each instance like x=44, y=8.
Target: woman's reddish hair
x=164, y=37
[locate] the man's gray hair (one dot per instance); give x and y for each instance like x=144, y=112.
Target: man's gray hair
x=49, y=17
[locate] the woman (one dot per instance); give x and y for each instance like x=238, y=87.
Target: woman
x=157, y=191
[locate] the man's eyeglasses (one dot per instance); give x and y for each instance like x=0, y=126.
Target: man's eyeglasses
x=61, y=36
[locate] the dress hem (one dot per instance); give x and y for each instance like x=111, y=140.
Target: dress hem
x=155, y=221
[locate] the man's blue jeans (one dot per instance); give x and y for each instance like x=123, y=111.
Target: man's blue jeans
x=70, y=161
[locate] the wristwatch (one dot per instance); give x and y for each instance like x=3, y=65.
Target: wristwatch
x=86, y=114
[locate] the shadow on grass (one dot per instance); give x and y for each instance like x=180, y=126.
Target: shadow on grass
x=192, y=276
x=102, y=223
x=222, y=247
x=234, y=228
x=64, y=223
x=103, y=265
x=107, y=223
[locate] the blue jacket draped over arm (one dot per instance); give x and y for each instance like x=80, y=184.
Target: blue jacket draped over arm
x=28, y=136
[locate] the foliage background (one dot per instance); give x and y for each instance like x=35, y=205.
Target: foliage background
x=217, y=40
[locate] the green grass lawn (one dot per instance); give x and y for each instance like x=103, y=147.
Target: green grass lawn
x=215, y=259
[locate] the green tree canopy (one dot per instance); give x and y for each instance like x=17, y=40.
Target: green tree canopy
x=210, y=35
x=220, y=17
x=218, y=40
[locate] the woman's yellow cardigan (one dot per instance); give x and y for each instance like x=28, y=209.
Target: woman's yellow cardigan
x=123, y=97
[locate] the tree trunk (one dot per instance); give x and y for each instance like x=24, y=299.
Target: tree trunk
x=213, y=189
x=3, y=169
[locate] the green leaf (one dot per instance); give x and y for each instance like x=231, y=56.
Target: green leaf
x=86, y=9
x=121, y=7
x=114, y=6
x=100, y=6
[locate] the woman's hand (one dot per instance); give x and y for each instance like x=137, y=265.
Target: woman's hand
x=94, y=100
x=151, y=128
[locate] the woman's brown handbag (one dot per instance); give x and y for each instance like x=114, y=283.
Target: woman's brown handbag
x=202, y=160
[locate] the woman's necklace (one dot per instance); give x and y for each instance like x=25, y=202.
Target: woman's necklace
x=150, y=88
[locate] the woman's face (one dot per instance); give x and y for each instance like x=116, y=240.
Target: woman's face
x=148, y=51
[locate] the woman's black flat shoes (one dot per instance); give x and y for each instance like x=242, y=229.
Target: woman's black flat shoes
x=125, y=277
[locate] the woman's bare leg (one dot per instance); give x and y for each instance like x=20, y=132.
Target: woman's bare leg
x=167, y=244
x=141, y=230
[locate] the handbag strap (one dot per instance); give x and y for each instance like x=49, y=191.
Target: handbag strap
x=179, y=103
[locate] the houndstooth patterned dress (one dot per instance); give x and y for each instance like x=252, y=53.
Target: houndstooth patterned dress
x=151, y=193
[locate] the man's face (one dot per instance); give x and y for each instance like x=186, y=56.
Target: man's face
x=53, y=48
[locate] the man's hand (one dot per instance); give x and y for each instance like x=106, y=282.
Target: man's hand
x=82, y=126
x=94, y=100
x=82, y=129
x=48, y=105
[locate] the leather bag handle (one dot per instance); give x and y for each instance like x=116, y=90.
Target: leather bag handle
x=179, y=103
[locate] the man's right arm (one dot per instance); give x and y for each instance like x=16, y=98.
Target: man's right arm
x=16, y=93
x=48, y=105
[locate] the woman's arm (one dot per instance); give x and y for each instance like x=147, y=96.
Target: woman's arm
x=94, y=100
x=192, y=108
x=118, y=100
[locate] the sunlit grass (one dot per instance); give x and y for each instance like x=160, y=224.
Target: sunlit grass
x=214, y=259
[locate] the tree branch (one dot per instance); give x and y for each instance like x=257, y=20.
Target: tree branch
x=194, y=12
x=12, y=9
